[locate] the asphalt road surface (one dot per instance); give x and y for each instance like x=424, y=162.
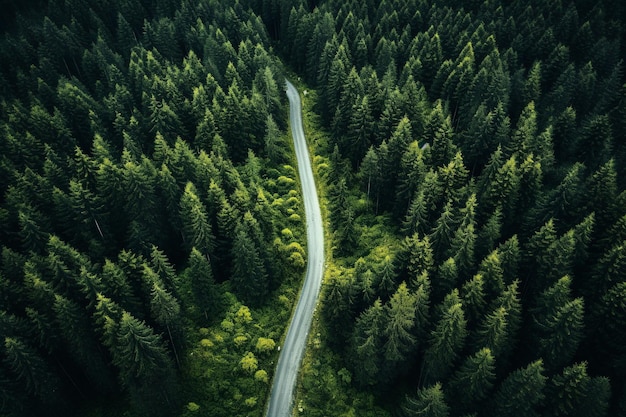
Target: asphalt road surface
x=281, y=397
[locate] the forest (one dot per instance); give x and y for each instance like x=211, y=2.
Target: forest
x=150, y=219
x=471, y=157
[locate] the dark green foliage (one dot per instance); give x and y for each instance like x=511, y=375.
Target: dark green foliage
x=429, y=402
x=249, y=277
x=472, y=382
x=118, y=200
x=144, y=177
x=520, y=393
x=446, y=339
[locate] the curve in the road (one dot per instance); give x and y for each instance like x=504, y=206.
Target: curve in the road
x=281, y=396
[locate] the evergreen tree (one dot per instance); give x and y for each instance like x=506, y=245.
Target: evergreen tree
x=366, y=344
x=429, y=402
x=520, y=393
x=249, y=278
x=166, y=312
x=201, y=285
x=29, y=369
x=473, y=380
x=401, y=324
x=473, y=296
x=442, y=232
x=196, y=226
x=574, y=393
x=446, y=339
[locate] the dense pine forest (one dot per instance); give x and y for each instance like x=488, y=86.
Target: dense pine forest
x=150, y=219
x=472, y=157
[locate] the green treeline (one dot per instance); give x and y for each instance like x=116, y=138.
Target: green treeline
x=146, y=198
x=475, y=170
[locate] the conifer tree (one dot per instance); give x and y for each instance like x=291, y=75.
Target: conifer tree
x=442, y=232
x=429, y=402
x=199, y=274
x=473, y=295
x=473, y=380
x=29, y=369
x=196, y=226
x=249, y=278
x=446, y=339
x=367, y=343
x=574, y=393
x=399, y=331
x=520, y=393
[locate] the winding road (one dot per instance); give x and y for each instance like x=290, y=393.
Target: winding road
x=281, y=396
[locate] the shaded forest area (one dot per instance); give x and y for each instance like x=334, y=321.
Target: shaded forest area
x=474, y=159
x=147, y=203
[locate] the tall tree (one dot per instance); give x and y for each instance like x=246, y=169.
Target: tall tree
x=446, y=339
x=400, y=328
x=429, y=402
x=520, y=393
x=249, y=278
x=195, y=221
x=366, y=345
x=473, y=380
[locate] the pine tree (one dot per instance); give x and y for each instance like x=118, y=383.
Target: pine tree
x=416, y=255
x=370, y=174
x=473, y=380
x=447, y=278
x=399, y=330
x=442, y=232
x=462, y=248
x=492, y=272
x=75, y=329
x=366, y=344
x=446, y=339
x=410, y=177
x=360, y=130
x=201, y=284
x=493, y=332
x=429, y=402
x=473, y=295
x=498, y=328
x=386, y=276
x=415, y=220
x=520, y=393
x=562, y=333
x=28, y=368
x=196, y=226
x=439, y=133
x=249, y=277
x=166, y=312
x=574, y=393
